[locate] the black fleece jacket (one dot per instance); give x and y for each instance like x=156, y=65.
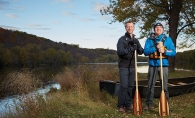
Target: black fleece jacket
x=125, y=50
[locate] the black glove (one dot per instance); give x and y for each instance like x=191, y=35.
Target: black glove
x=131, y=42
x=133, y=48
x=136, y=41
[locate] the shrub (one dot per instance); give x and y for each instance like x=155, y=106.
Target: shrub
x=68, y=80
x=20, y=82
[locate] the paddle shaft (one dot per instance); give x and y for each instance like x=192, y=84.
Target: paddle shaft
x=161, y=72
x=136, y=82
x=137, y=99
x=163, y=104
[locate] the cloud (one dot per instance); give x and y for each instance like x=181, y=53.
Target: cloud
x=42, y=28
x=108, y=27
x=68, y=3
x=8, y=27
x=31, y=26
x=69, y=14
x=87, y=39
x=111, y=35
x=36, y=26
x=62, y=0
x=56, y=22
x=4, y=4
x=20, y=8
x=103, y=27
x=98, y=6
x=10, y=6
x=11, y=15
x=105, y=17
x=88, y=19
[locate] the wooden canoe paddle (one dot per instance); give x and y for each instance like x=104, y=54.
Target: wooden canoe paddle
x=163, y=103
x=137, y=103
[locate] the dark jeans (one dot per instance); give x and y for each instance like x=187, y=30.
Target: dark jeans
x=152, y=75
x=127, y=79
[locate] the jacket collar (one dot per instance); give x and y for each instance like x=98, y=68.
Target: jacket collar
x=159, y=38
x=127, y=35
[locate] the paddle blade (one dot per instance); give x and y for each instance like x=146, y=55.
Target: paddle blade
x=163, y=105
x=137, y=104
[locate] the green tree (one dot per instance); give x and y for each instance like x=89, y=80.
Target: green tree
x=84, y=59
x=2, y=49
x=69, y=58
x=63, y=57
x=77, y=58
x=15, y=54
x=7, y=57
x=33, y=53
x=23, y=56
x=50, y=56
x=108, y=58
x=177, y=16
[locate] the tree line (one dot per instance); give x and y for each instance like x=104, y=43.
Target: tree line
x=22, y=49
x=186, y=59
x=31, y=54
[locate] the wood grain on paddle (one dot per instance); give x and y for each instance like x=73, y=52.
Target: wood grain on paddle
x=137, y=103
x=163, y=103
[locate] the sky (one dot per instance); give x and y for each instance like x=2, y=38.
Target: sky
x=68, y=21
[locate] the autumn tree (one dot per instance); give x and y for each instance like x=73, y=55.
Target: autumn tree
x=176, y=15
x=33, y=53
x=23, y=56
x=7, y=57
x=15, y=54
x=50, y=56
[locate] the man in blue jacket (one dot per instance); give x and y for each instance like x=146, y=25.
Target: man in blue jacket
x=157, y=43
x=126, y=47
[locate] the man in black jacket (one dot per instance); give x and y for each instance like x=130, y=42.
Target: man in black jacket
x=126, y=47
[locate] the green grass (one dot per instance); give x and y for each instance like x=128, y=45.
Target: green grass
x=80, y=97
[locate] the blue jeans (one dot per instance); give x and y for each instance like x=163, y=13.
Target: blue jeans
x=152, y=74
x=127, y=79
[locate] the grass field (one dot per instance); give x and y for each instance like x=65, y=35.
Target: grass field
x=79, y=97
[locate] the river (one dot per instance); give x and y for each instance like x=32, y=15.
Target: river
x=142, y=67
x=7, y=103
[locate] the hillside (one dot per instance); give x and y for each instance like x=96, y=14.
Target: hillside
x=11, y=38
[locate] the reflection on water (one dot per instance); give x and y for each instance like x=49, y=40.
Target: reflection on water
x=8, y=103
x=142, y=69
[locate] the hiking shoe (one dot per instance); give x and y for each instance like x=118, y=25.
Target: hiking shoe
x=122, y=110
x=146, y=108
x=130, y=108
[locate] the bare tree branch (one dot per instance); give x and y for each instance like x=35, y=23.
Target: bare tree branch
x=184, y=27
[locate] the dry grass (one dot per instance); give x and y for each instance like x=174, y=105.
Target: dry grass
x=68, y=80
x=21, y=82
x=80, y=97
